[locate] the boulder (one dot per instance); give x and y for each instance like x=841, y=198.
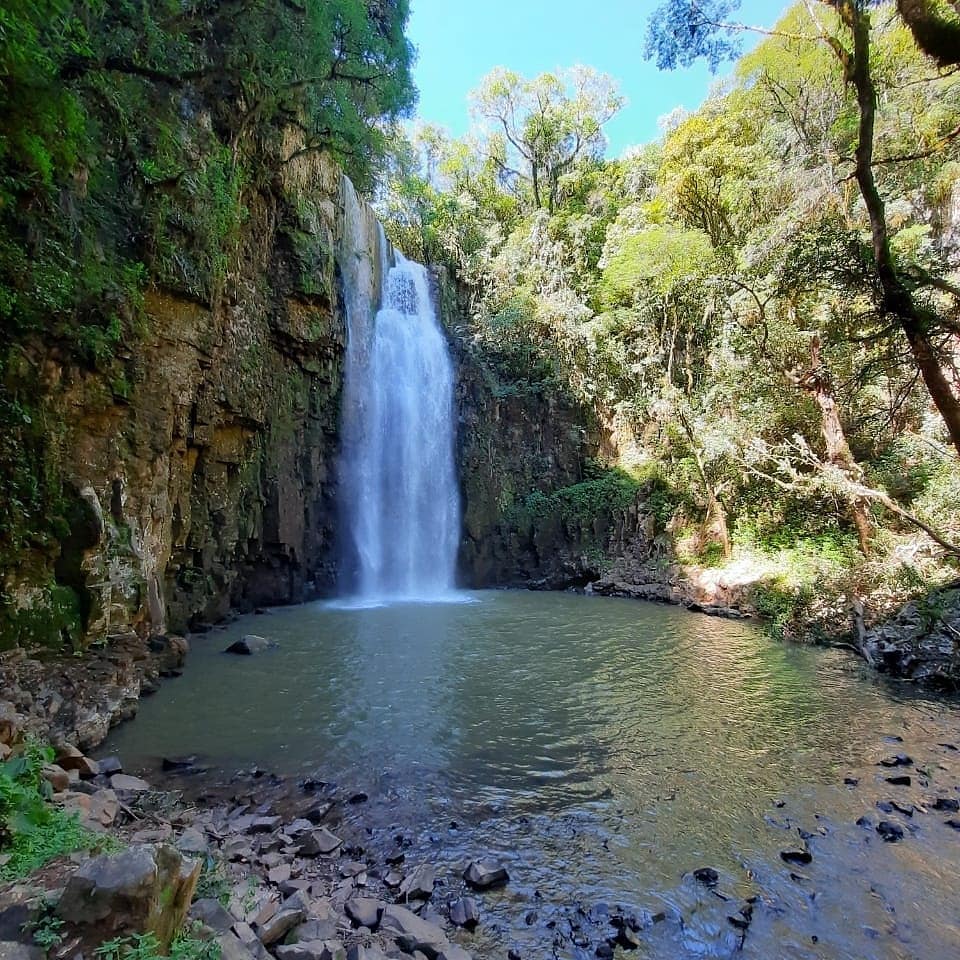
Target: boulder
x=70, y=758
x=251, y=644
x=193, y=841
x=364, y=911
x=110, y=765
x=142, y=890
x=464, y=912
x=313, y=929
x=360, y=952
x=123, y=782
x=56, y=776
x=412, y=932
x=10, y=723
x=890, y=831
x=318, y=842
x=486, y=873
x=418, y=884
x=293, y=911
x=213, y=914
x=170, y=651
x=97, y=810
x=233, y=948
x=11, y=950
x=454, y=952
x=330, y=949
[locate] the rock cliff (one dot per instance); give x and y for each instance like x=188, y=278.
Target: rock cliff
x=200, y=477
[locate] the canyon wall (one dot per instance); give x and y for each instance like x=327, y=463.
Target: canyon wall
x=201, y=477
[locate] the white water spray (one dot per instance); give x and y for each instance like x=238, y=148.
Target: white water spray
x=398, y=484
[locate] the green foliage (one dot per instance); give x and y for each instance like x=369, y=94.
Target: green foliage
x=579, y=504
x=657, y=257
x=32, y=831
x=47, y=930
x=145, y=946
x=214, y=883
x=52, y=619
x=131, y=133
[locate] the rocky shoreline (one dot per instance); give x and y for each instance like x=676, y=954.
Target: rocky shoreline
x=268, y=867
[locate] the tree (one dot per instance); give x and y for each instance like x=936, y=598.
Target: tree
x=683, y=30
x=540, y=128
x=935, y=28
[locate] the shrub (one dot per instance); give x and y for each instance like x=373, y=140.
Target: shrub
x=32, y=831
x=145, y=946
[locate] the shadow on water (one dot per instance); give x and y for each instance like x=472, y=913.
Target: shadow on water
x=603, y=748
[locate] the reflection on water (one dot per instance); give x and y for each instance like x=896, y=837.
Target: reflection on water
x=605, y=747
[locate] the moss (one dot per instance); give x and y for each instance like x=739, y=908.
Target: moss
x=54, y=618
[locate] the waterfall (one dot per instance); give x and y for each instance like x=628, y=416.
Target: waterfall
x=398, y=486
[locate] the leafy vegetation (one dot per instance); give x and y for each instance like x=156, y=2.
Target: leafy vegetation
x=145, y=946
x=32, y=831
x=763, y=303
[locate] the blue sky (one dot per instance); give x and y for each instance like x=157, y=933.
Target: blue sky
x=460, y=42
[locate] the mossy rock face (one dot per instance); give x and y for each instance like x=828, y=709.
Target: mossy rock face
x=48, y=616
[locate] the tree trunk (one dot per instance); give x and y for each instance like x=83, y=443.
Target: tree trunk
x=715, y=524
x=896, y=297
x=818, y=384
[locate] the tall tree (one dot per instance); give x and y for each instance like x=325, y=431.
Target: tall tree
x=680, y=31
x=540, y=128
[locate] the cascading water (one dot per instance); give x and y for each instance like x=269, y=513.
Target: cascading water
x=399, y=497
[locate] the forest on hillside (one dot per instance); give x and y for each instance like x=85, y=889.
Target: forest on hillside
x=762, y=307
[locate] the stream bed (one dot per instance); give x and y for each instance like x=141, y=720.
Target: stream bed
x=604, y=750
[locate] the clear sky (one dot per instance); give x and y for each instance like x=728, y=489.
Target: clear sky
x=459, y=42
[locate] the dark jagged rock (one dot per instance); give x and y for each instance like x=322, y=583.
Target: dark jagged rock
x=891, y=832
x=123, y=782
x=412, y=932
x=144, y=888
x=292, y=912
x=364, y=911
x=171, y=764
x=706, y=875
x=901, y=780
x=949, y=804
x=318, y=842
x=418, y=884
x=464, y=912
x=486, y=873
x=212, y=914
x=898, y=760
x=358, y=951
x=796, y=856
x=251, y=644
